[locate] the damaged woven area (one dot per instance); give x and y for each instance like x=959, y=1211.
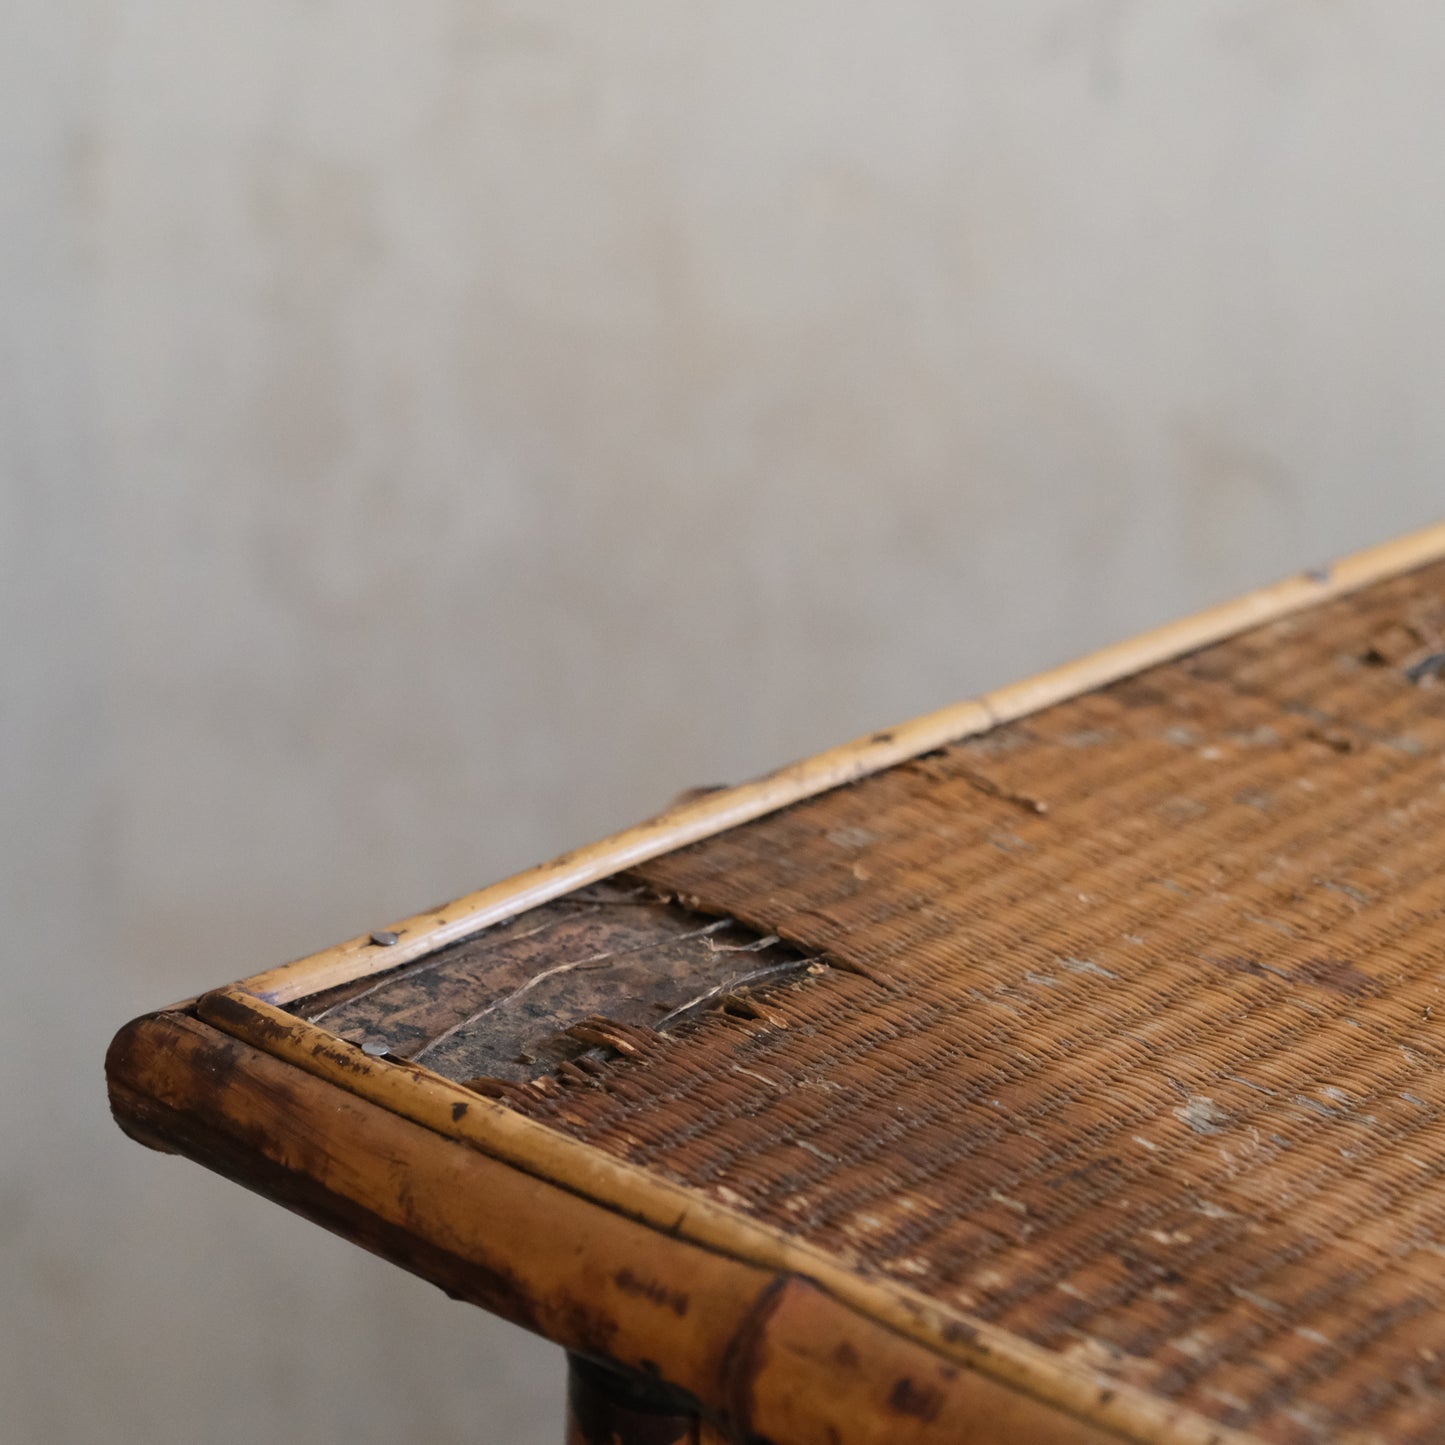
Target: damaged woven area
x=1135, y=1045
x=541, y=998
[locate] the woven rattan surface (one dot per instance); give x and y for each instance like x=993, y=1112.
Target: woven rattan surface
x=1132, y=1036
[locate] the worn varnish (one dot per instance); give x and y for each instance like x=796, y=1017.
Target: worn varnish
x=1080, y=1079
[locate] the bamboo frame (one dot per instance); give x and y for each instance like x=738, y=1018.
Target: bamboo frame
x=754, y=1348
x=1069, y=1393
x=415, y=1093
x=713, y=813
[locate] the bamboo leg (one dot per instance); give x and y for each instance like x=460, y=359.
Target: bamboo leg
x=607, y=1407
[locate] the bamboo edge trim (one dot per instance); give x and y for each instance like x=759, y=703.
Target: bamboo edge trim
x=436, y=1103
x=240, y=1113
x=714, y=813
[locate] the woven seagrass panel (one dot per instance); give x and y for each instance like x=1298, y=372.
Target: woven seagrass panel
x=1133, y=1030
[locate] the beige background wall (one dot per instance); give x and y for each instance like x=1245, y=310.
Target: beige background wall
x=433, y=434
